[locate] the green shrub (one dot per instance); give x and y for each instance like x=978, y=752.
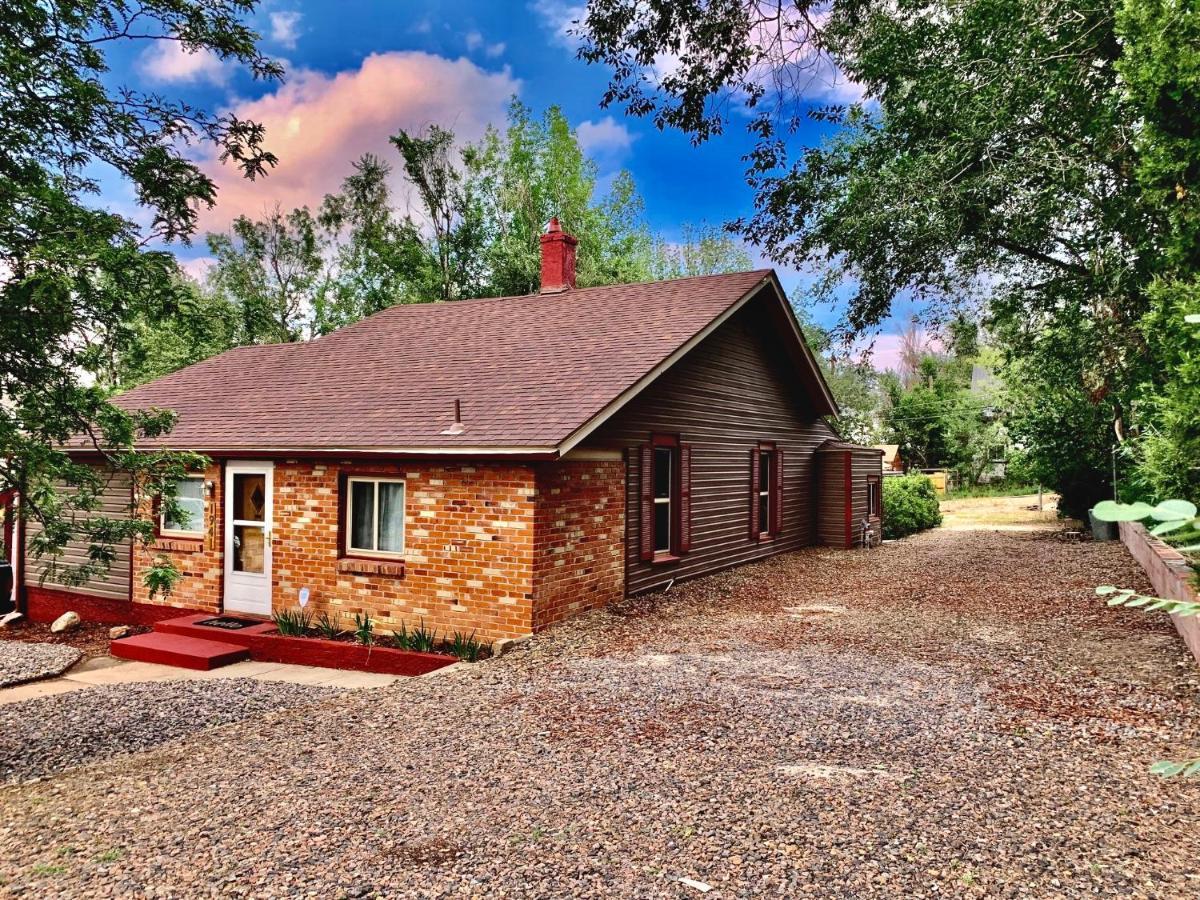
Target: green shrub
x=292, y=622
x=364, y=629
x=910, y=504
x=328, y=626
x=465, y=646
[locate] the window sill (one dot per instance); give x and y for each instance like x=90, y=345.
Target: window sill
x=355, y=566
x=179, y=545
x=664, y=558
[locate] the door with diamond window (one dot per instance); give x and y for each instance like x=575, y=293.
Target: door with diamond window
x=248, y=537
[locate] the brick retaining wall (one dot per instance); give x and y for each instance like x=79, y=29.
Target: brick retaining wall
x=1170, y=575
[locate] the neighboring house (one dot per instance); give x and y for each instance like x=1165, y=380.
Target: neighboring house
x=892, y=463
x=497, y=464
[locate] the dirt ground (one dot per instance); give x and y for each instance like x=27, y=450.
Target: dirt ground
x=1019, y=512
x=954, y=714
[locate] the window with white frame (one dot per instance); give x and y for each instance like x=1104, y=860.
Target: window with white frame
x=187, y=519
x=664, y=496
x=375, y=516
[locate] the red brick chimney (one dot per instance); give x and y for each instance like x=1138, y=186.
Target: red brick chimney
x=558, y=259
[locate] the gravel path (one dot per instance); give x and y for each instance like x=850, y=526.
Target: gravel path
x=20, y=662
x=949, y=715
x=50, y=734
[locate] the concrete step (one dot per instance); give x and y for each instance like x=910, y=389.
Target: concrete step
x=178, y=650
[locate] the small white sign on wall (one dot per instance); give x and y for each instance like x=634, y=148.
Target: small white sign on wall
x=304, y=596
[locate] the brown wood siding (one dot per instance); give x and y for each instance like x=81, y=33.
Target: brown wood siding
x=831, y=498
x=732, y=391
x=865, y=462
x=115, y=584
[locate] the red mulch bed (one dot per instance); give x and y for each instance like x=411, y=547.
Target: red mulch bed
x=90, y=637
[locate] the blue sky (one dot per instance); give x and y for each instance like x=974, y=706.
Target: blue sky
x=358, y=71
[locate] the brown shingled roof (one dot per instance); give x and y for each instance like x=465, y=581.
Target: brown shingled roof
x=530, y=372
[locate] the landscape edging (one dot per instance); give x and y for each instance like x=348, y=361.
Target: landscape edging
x=1170, y=575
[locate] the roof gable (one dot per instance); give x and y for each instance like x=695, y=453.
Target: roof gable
x=532, y=374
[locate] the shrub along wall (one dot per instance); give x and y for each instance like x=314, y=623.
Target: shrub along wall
x=910, y=504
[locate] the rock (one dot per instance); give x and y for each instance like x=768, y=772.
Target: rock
x=119, y=631
x=506, y=645
x=68, y=621
x=10, y=619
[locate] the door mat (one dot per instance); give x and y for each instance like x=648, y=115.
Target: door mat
x=229, y=623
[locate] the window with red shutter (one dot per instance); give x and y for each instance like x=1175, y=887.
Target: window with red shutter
x=666, y=498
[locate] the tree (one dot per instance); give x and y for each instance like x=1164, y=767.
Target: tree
x=703, y=250
x=1046, y=150
x=379, y=257
x=78, y=278
x=273, y=270
x=202, y=324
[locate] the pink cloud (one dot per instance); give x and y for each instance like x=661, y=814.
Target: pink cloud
x=318, y=124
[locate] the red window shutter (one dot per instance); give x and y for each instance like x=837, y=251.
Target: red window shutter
x=646, y=503
x=685, y=498
x=755, y=525
x=777, y=493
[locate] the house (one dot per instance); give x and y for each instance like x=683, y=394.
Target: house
x=892, y=461
x=496, y=465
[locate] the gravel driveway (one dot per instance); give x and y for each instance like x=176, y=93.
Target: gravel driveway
x=20, y=662
x=950, y=715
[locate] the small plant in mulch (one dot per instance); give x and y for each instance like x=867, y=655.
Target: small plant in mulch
x=292, y=622
x=364, y=629
x=464, y=646
x=419, y=640
x=328, y=626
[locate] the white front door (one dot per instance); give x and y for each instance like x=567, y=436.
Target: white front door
x=248, y=537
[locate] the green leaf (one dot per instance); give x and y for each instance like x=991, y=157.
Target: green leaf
x=1169, y=510
x=1168, y=768
x=1110, y=511
x=1105, y=589
x=1193, y=769
x=1192, y=318
x=1167, y=527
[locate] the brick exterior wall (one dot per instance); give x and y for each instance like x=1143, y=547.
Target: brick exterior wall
x=1170, y=575
x=468, y=560
x=579, y=561
x=502, y=550
x=200, y=562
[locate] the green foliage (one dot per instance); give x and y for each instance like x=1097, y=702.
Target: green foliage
x=422, y=640
x=79, y=281
x=910, y=504
x=465, y=646
x=160, y=576
x=364, y=629
x=1039, y=156
x=1130, y=598
x=292, y=622
x=328, y=626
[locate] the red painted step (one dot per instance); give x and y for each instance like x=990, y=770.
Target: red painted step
x=177, y=650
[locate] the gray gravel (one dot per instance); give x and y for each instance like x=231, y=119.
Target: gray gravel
x=21, y=662
x=952, y=715
x=51, y=734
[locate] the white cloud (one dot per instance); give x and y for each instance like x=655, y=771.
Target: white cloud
x=560, y=17
x=197, y=268
x=476, y=41
x=318, y=124
x=285, y=28
x=169, y=61
x=605, y=137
